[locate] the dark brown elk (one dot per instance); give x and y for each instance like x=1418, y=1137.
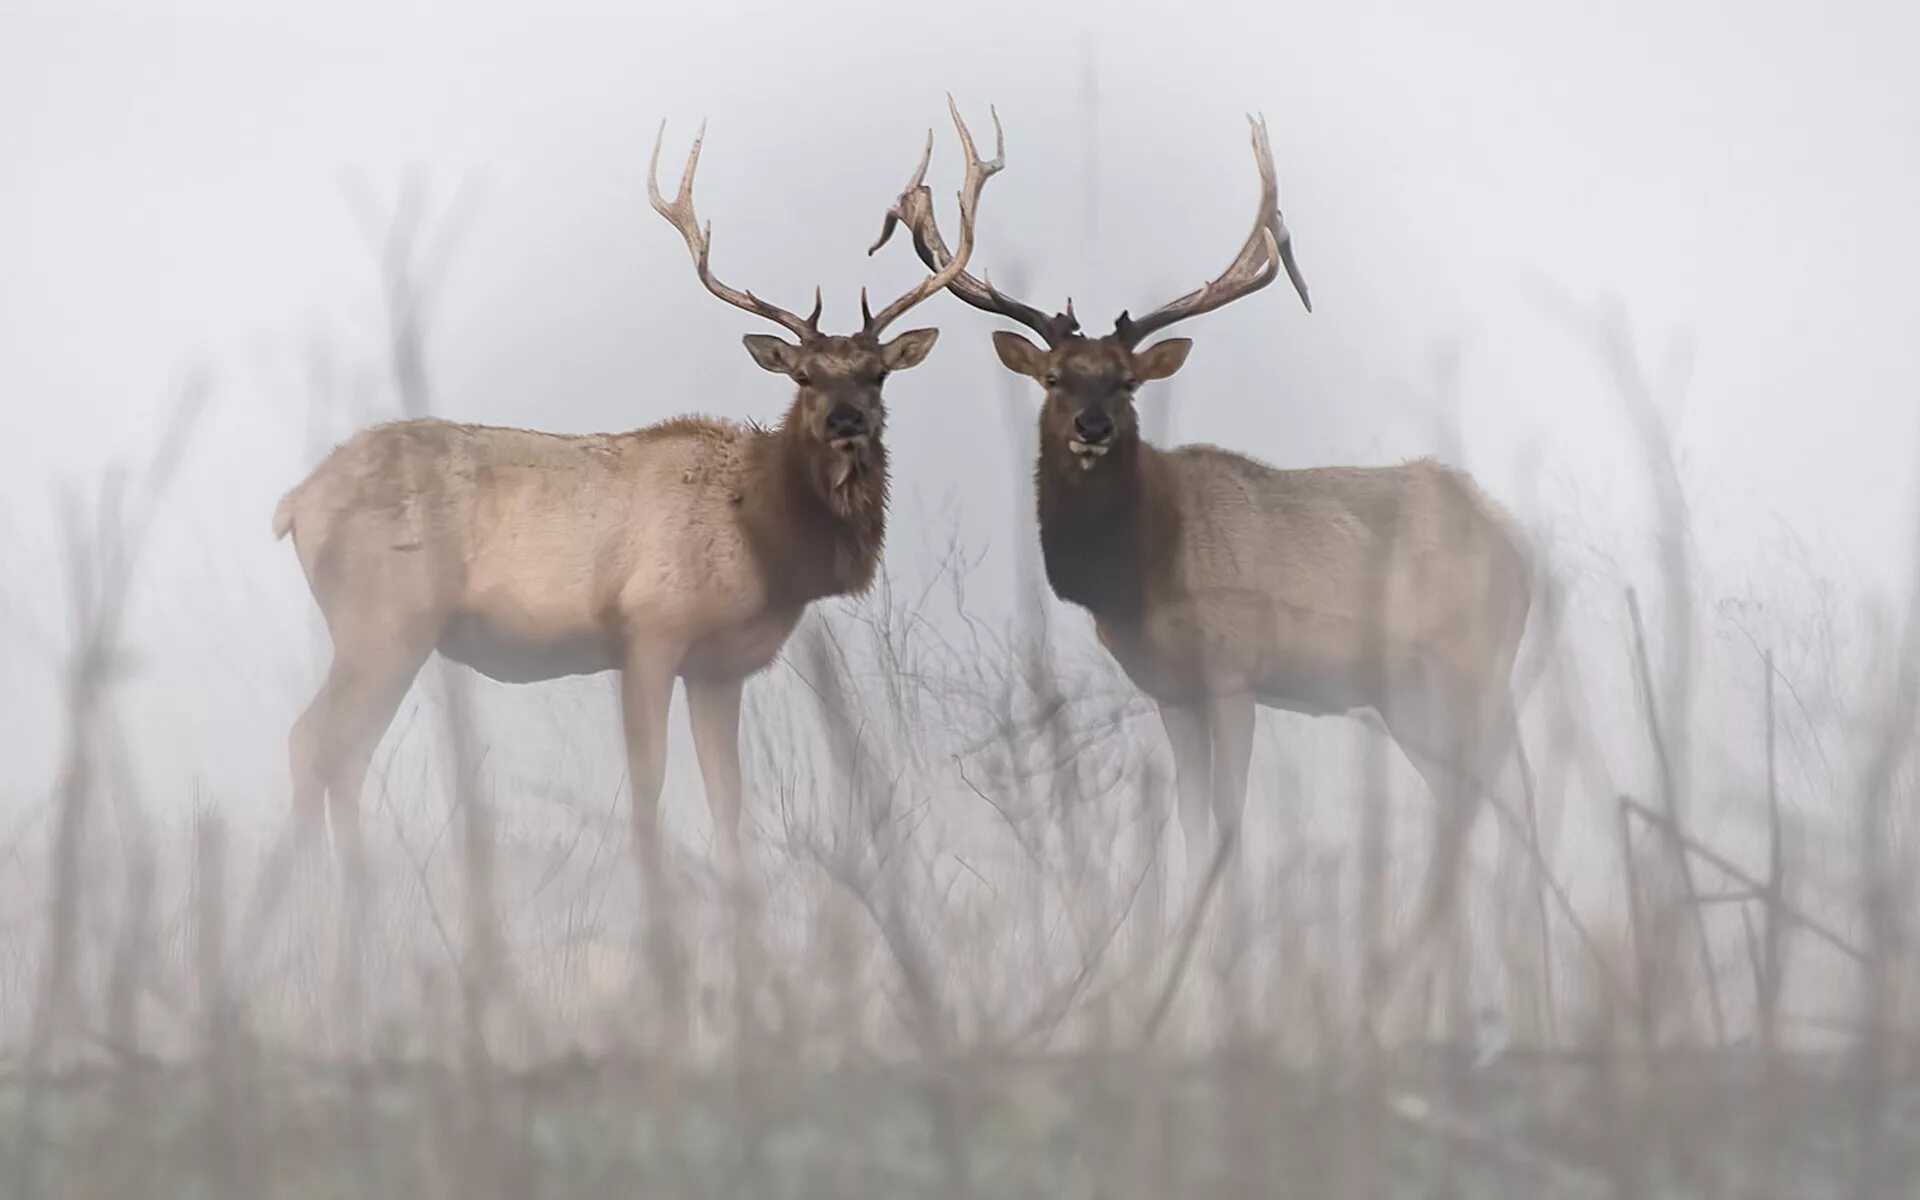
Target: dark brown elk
x=688, y=549
x=1220, y=583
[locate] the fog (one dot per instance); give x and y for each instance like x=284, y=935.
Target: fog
x=1740, y=182
x=194, y=197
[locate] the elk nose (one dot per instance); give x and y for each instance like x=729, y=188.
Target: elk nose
x=1093, y=426
x=846, y=421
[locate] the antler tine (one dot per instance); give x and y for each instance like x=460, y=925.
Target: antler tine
x=916, y=187
x=1278, y=232
x=918, y=196
x=699, y=239
x=914, y=209
x=1268, y=248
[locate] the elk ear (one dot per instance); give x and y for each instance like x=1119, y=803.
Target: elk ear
x=1161, y=359
x=910, y=349
x=1019, y=355
x=773, y=354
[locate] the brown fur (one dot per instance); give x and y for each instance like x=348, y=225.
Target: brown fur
x=1220, y=583
x=1220, y=573
x=451, y=499
x=689, y=548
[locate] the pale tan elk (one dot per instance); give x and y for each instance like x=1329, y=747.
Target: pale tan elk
x=688, y=549
x=1220, y=583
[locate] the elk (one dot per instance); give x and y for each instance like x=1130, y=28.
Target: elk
x=687, y=549
x=1221, y=584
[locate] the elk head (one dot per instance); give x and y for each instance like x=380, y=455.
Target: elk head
x=837, y=408
x=1089, y=416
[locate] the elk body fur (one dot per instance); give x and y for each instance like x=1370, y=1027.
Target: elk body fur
x=688, y=549
x=1221, y=584
x=1209, y=572
x=530, y=556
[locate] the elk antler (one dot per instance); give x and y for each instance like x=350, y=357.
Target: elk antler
x=914, y=209
x=978, y=173
x=681, y=216
x=1267, y=249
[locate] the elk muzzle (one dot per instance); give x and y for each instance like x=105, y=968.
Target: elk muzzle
x=1092, y=437
x=846, y=426
x=849, y=434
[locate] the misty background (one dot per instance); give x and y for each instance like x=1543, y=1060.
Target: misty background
x=1740, y=180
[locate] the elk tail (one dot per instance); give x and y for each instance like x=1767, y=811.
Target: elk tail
x=283, y=515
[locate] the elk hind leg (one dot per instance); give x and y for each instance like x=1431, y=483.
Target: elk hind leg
x=365, y=703
x=366, y=699
x=328, y=752
x=1459, y=742
x=306, y=822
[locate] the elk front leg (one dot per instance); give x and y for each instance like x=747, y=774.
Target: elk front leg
x=1192, y=744
x=646, y=691
x=714, y=709
x=1230, y=726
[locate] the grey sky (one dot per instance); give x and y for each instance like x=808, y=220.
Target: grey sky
x=1746, y=175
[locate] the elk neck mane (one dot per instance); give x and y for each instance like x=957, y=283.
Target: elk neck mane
x=1104, y=533
x=814, y=539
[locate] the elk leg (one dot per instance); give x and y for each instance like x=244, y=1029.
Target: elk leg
x=1428, y=724
x=306, y=750
x=1458, y=803
x=1457, y=744
x=306, y=823
x=1231, y=721
x=646, y=692
x=328, y=752
x=337, y=736
x=363, y=698
x=367, y=709
x=714, y=709
x=1192, y=742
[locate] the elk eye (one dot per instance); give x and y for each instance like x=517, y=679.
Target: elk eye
x=1130, y=384
x=1052, y=378
x=879, y=379
x=801, y=378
